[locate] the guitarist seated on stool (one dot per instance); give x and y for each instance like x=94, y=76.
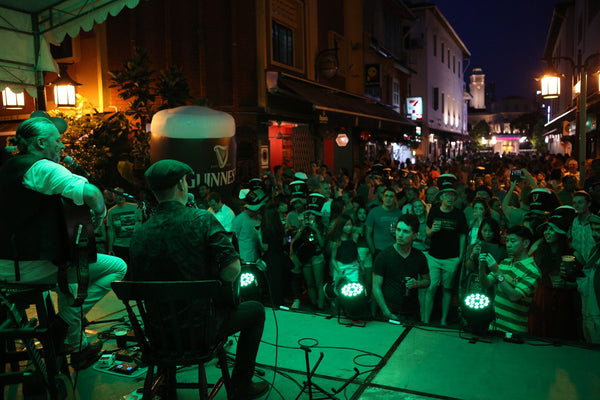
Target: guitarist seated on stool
x=180, y=243
x=33, y=242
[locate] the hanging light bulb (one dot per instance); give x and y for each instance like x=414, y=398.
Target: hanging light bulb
x=342, y=138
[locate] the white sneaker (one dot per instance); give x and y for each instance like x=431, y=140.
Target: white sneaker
x=295, y=304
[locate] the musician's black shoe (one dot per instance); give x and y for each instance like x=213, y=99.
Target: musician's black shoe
x=253, y=390
x=86, y=356
x=165, y=392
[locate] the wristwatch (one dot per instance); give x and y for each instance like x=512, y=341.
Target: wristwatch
x=499, y=278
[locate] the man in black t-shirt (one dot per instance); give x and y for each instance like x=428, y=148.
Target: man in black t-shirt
x=446, y=228
x=398, y=271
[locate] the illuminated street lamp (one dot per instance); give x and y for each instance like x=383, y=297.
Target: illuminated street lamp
x=64, y=88
x=550, y=85
x=551, y=90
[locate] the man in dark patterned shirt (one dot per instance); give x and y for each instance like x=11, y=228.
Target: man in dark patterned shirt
x=182, y=243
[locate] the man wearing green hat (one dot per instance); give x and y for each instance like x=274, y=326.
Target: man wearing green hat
x=180, y=243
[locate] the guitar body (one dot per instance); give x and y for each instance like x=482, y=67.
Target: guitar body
x=75, y=217
x=81, y=249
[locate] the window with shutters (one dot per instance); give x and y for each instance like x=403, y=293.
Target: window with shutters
x=287, y=33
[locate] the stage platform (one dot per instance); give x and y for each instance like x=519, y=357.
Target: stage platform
x=387, y=362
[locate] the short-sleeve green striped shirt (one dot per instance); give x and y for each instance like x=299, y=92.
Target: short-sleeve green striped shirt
x=524, y=275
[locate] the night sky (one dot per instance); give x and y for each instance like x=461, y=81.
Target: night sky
x=506, y=39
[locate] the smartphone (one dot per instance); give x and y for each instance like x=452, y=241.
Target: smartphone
x=485, y=248
x=515, y=175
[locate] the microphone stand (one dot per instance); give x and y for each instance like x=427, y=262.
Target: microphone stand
x=127, y=196
x=309, y=384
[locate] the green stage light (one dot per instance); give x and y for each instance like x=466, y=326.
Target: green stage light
x=251, y=282
x=477, y=301
x=247, y=279
x=352, y=289
x=351, y=300
x=477, y=312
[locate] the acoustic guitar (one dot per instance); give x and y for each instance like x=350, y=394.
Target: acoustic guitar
x=81, y=249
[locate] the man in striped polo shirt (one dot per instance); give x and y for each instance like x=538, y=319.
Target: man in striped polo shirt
x=516, y=278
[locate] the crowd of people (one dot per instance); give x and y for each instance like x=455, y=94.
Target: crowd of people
x=524, y=230
x=502, y=225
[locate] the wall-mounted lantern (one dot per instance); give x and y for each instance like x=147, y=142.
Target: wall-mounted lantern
x=64, y=88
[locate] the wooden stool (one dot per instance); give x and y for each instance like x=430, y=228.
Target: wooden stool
x=50, y=372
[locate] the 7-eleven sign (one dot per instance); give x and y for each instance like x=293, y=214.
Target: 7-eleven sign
x=414, y=108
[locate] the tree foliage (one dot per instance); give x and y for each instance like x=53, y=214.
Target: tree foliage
x=135, y=83
x=97, y=143
x=481, y=130
x=537, y=137
x=115, y=148
x=173, y=88
x=147, y=92
x=525, y=123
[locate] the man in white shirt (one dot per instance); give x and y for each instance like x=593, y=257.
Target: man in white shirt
x=581, y=235
x=222, y=212
x=121, y=220
x=326, y=211
x=589, y=287
x=246, y=226
x=32, y=242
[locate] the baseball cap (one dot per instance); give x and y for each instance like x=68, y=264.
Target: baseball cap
x=58, y=122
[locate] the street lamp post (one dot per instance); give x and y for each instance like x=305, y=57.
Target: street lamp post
x=582, y=118
x=551, y=90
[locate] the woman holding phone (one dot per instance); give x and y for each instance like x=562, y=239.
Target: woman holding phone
x=488, y=242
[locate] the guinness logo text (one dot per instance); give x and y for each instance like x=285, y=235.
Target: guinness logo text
x=222, y=154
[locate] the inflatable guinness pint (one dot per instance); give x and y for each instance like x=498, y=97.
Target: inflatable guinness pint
x=201, y=137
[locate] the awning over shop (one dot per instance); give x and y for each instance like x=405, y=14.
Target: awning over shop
x=556, y=125
x=455, y=136
x=331, y=100
x=27, y=27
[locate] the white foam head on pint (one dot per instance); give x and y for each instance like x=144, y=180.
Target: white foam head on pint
x=192, y=122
